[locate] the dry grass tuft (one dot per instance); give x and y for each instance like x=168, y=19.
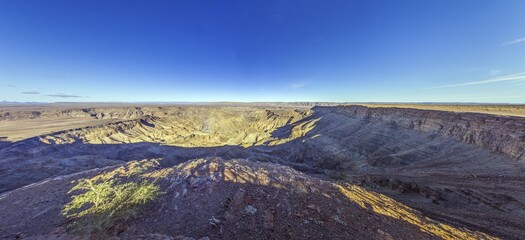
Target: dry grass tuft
x=102, y=202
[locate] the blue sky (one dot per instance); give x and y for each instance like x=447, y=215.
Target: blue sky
x=352, y=51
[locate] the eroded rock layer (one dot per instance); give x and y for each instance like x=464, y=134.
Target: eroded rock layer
x=462, y=169
x=191, y=127
x=501, y=134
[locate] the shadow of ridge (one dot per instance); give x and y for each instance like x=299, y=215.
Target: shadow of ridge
x=32, y=156
x=35, y=161
x=170, y=155
x=286, y=130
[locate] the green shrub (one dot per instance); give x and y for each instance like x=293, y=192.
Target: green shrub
x=104, y=203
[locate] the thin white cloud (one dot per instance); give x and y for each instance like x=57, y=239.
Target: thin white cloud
x=31, y=93
x=515, y=41
x=63, y=95
x=505, y=78
x=299, y=85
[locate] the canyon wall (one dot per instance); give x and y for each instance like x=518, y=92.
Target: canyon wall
x=499, y=134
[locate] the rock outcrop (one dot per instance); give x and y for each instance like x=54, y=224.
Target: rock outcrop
x=464, y=169
x=216, y=199
x=194, y=127
x=500, y=134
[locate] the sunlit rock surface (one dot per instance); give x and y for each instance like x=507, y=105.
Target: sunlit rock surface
x=462, y=170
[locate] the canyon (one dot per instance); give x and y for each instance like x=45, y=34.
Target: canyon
x=301, y=170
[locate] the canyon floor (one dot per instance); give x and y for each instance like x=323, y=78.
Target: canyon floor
x=262, y=171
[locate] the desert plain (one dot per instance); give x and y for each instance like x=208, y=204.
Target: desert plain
x=262, y=171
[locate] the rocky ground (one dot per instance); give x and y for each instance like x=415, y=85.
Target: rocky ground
x=360, y=172
x=217, y=199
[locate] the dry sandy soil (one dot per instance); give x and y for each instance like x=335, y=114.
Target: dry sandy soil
x=263, y=171
x=27, y=128
x=503, y=110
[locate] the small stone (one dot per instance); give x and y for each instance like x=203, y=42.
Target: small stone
x=214, y=221
x=315, y=208
x=155, y=236
x=338, y=220
x=200, y=182
x=250, y=209
x=385, y=235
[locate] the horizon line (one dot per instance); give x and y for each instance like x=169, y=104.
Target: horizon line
x=4, y=102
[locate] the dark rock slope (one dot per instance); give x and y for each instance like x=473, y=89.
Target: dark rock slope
x=216, y=199
x=500, y=134
x=464, y=169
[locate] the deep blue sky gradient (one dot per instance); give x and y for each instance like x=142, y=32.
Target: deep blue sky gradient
x=369, y=50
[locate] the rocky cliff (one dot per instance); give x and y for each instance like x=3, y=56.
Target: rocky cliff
x=458, y=168
x=499, y=134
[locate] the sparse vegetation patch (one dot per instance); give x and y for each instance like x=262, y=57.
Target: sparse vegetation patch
x=101, y=204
